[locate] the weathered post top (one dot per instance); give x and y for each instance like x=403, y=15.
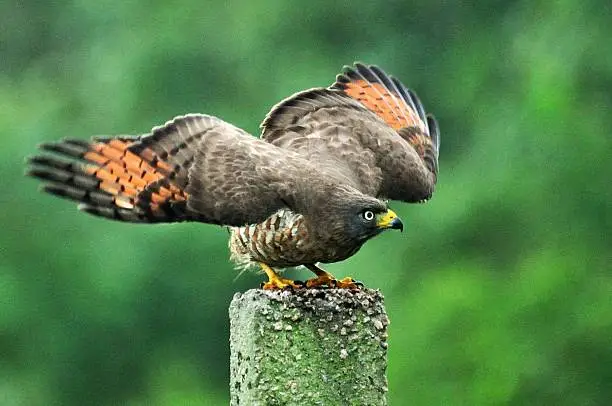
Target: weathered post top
x=308, y=347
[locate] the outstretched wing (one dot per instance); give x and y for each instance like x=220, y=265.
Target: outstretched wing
x=195, y=167
x=366, y=127
x=127, y=178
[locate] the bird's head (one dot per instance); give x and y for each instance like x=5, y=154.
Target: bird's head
x=369, y=219
x=348, y=218
x=364, y=217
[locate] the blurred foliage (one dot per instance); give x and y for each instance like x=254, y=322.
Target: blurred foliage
x=500, y=290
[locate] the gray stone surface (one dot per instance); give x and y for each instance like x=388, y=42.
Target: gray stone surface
x=309, y=347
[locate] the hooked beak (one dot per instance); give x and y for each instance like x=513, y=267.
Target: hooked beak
x=390, y=220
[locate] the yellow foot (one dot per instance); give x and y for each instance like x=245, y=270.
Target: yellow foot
x=281, y=283
x=276, y=282
x=348, y=283
x=325, y=279
x=322, y=280
x=331, y=282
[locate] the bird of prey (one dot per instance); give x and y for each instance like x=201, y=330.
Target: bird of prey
x=312, y=189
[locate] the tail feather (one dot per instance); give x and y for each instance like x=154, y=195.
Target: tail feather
x=127, y=178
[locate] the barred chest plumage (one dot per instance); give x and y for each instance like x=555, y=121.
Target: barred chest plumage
x=282, y=240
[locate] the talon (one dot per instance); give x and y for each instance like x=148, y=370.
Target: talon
x=320, y=282
x=281, y=283
x=325, y=279
x=327, y=282
x=349, y=283
x=277, y=282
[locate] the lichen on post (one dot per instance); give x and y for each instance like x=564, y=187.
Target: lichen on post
x=308, y=347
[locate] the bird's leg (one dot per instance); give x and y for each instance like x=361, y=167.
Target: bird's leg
x=275, y=281
x=324, y=278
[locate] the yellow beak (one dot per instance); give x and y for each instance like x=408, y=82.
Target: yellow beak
x=390, y=220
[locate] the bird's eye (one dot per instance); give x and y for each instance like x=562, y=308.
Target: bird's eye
x=368, y=215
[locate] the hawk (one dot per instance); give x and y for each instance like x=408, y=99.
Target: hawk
x=312, y=189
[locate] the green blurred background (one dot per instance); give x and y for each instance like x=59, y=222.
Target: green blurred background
x=499, y=291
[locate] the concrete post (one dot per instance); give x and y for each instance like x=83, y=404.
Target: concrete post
x=308, y=347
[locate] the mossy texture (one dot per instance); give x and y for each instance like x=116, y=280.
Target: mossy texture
x=309, y=347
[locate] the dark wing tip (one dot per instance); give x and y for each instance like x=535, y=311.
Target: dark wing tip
x=76, y=141
x=48, y=174
x=68, y=147
x=66, y=192
x=353, y=72
x=32, y=159
x=434, y=132
x=365, y=71
x=404, y=94
x=108, y=212
x=373, y=73
x=113, y=213
x=419, y=105
x=357, y=71
x=341, y=81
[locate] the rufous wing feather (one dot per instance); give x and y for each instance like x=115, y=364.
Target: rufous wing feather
x=396, y=105
x=127, y=178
